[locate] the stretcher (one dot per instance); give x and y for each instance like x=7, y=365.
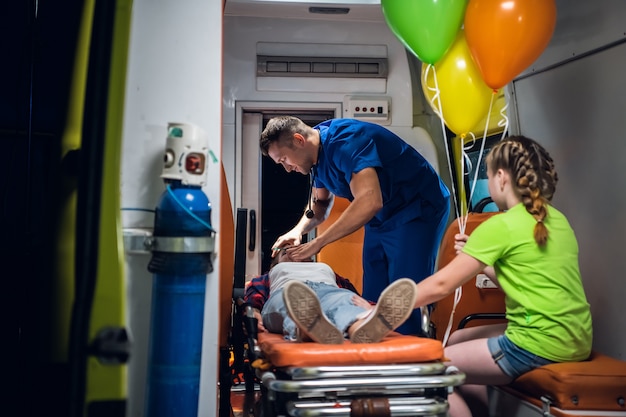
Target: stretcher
x=399, y=376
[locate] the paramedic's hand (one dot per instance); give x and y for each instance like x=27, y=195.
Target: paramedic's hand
x=459, y=242
x=304, y=252
x=288, y=239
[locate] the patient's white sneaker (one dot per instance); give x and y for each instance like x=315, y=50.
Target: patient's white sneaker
x=304, y=308
x=394, y=306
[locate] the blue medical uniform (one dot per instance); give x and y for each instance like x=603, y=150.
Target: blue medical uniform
x=403, y=238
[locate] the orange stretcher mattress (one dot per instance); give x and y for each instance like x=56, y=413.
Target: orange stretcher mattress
x=393, y=349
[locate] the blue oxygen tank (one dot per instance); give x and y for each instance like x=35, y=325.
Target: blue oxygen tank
x=181, y=259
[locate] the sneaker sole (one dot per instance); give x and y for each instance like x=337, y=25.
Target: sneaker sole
x=394, y=306
x=305, y=310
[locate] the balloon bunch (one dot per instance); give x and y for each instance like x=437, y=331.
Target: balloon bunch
x=504, y=36
x=469, y=50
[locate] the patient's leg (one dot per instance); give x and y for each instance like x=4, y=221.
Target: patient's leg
x=339, y=306
x=305, y=310
x=275, y=317
x=395, y=305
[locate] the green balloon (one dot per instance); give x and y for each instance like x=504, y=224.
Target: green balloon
x=427, y=28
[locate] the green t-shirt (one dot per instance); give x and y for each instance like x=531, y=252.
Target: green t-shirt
x=547, y=311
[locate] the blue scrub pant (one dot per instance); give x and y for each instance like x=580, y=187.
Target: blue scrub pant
x=408, y=251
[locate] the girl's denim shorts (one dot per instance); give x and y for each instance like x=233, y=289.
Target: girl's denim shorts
x=513, y=360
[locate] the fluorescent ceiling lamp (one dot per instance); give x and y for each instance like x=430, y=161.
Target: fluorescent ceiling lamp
x=329, y=2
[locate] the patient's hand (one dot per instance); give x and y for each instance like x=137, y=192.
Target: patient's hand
x=361, y=302
x=257, y=315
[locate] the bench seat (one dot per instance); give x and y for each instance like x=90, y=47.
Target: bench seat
x=595, y=387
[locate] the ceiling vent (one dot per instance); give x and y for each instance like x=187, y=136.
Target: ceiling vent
x=344, y=68
x=329, y=10
x=328, y=67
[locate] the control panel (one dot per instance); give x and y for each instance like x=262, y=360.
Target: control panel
x=368, y=108
x=483, y=281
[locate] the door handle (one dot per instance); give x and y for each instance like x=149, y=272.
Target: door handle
x=252, y=242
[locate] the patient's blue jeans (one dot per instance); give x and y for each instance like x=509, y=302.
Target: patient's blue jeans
x=336, y=303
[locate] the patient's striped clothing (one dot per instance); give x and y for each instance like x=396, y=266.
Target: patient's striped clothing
x=258, y=289
x=300, y=271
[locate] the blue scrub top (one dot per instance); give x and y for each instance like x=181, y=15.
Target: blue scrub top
x=410, y=186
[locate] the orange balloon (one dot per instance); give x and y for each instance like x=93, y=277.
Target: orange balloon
x=506, y=36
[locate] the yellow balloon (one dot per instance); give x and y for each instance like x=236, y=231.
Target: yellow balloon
x=463, y=94
x=497, y=117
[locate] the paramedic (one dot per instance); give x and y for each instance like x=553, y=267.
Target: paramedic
x=303, y=300
x=393, y=191
x=531, y=252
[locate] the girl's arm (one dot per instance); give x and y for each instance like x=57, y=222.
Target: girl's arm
x=443, y=282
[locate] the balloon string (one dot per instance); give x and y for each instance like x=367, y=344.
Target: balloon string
x=435, y=90
x=439, y=111
x=462, y=218
x=482, y=149
x=504, y=121
x=463, y=223
x=458, y=293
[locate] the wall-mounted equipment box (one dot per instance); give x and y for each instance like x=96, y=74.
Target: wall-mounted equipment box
x=375, y=109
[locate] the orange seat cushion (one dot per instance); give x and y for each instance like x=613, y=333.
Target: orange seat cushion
x=595, y=384
x=393, y=349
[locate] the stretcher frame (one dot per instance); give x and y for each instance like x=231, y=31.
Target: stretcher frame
x=369, y=383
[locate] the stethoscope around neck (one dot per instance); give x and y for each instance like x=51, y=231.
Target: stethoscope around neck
x=309, y=213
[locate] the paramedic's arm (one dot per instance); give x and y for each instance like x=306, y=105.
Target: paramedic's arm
x=443, y=282
x=459, y=243
x=321, y=204
x=368, y=200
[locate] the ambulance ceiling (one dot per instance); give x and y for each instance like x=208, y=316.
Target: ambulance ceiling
x=359, y=10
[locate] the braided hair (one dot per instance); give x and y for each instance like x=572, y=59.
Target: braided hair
x=533, y=174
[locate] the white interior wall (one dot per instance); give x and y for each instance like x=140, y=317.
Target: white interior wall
x=572, y=100
x=174, y=75
x=581, y=26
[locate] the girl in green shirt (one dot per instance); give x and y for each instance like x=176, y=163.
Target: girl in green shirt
x=531, y=252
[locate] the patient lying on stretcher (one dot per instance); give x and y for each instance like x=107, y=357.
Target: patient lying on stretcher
x=308, y=301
